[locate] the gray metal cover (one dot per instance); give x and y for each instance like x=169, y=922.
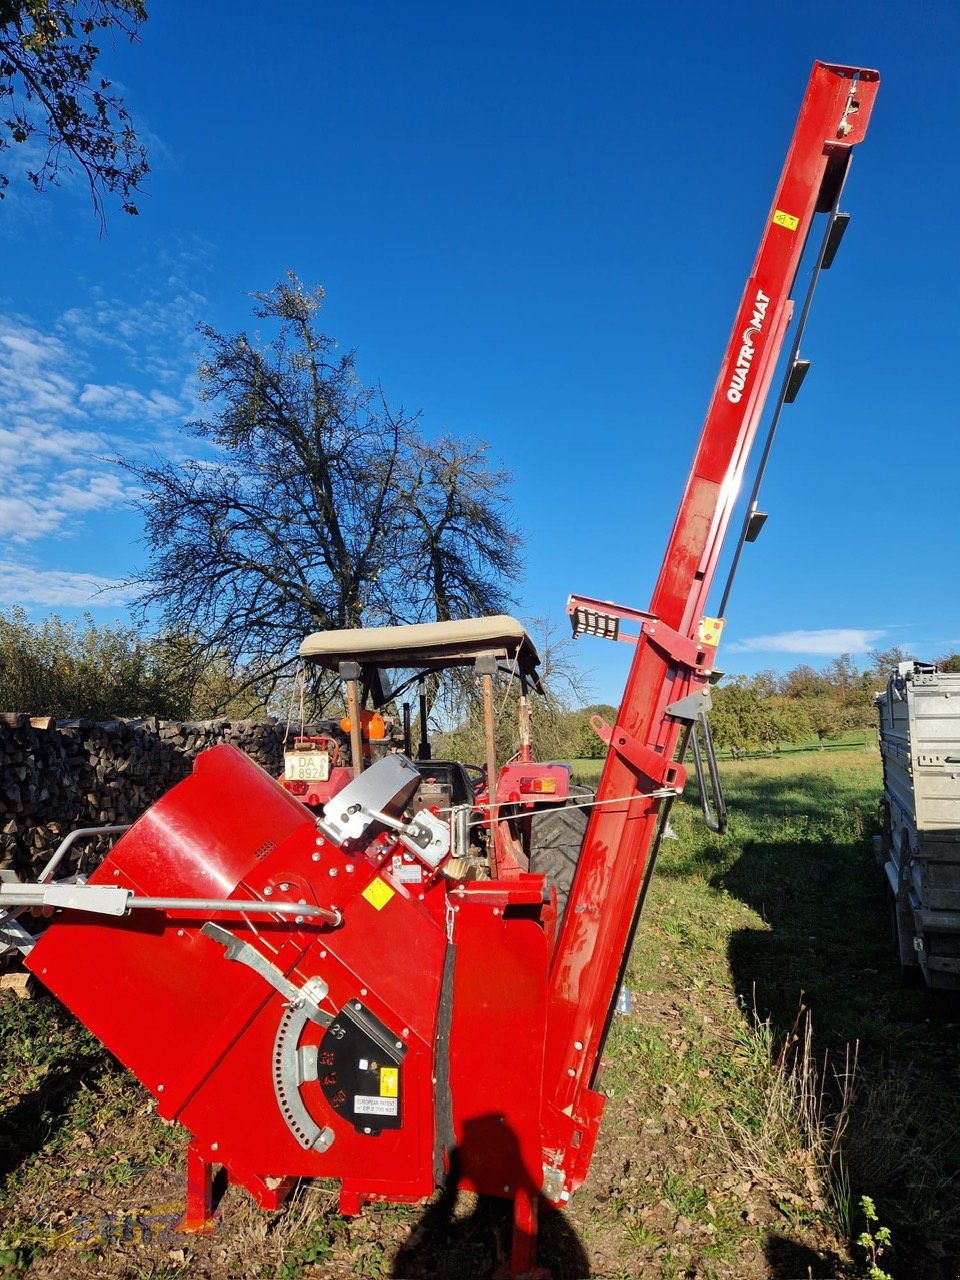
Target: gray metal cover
x=920, y=844
x=920, y=742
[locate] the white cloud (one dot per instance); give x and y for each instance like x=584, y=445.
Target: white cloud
x=53, y=589
x=827, y=642
x=78, y=491
x=31, y=372
x=157, y=334
x=38, y=510
x=22, y=519
x=121, y=403
x=29, y=443
x=60, y=430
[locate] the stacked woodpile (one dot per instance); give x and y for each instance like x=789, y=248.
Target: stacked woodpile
x=56, y=776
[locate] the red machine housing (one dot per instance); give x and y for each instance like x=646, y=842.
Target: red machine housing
x=435, y=1025
x=208, y=1037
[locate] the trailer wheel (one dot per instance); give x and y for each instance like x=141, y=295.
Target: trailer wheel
x=556, y=836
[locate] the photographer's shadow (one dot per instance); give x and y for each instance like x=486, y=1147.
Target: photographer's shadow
x=448, y=1243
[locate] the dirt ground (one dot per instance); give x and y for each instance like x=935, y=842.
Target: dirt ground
x=660, y=1201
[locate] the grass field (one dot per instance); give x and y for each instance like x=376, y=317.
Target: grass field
x=771, y=1072
x=825, y=1078
x=587, y=771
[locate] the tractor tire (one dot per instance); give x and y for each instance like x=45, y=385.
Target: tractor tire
x=555, y=838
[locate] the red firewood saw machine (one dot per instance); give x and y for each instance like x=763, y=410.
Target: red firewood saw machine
x=326, y=996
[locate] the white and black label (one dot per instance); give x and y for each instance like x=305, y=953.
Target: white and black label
x=368, y=1105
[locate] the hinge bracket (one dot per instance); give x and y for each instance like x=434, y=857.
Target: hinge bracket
x=656, y=767
x=693, y=705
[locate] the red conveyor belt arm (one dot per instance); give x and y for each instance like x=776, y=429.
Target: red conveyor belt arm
x=598, y=922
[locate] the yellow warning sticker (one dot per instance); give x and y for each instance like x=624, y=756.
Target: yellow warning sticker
x=785, y=220
x=389, y=1081
x=378, y=893
x=709, y=630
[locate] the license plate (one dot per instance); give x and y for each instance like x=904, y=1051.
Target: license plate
x=306, y=766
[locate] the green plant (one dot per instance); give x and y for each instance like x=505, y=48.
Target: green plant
x=874, y=1241
x=66, y=669
x=309, y=1253
x=794, y=1137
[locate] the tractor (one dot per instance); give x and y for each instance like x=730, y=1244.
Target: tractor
x=531, y=819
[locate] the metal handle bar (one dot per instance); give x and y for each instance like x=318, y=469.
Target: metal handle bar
x=113, y=900
x=716, y=821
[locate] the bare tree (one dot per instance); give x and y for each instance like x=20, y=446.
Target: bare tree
x=319, y=506
x=52, y=94
x=459, y=548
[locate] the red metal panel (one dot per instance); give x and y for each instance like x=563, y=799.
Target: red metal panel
x=126, y=979
x=833, y=117
x=200, y=1029
x=497, y=1036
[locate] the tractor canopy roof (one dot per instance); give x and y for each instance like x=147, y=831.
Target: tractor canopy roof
x=429, y=646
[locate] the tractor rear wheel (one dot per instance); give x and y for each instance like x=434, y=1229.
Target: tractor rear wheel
x=556, y=835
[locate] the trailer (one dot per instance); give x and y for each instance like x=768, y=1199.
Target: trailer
x=306, y=1006
x=919, y=844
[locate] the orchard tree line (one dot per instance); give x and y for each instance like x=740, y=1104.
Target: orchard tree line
x=764, y=711
x=79, y=669
x=770, y=708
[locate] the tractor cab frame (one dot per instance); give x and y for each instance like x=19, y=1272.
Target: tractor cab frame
x=491, y=805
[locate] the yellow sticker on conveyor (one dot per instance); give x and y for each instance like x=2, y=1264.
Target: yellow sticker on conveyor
x=378, y=893
x=389, y=1082
x=709, y=630
x=785, y=220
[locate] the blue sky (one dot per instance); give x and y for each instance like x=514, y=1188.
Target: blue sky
x=533, y=223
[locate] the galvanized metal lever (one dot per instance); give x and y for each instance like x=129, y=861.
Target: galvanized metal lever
x=307, y=997
x=114, y=900
x=693, y=709
x=715, y=818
